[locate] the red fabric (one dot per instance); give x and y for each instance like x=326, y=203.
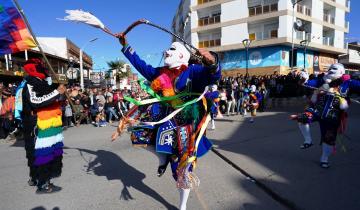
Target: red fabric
x=345, y=77
x=34, y=67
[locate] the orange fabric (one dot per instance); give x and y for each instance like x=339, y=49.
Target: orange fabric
x=49, y=112
x=8, y=106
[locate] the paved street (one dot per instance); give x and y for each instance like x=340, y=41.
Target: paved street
x=99, y=174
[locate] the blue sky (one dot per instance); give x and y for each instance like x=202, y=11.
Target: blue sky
x=117, y=15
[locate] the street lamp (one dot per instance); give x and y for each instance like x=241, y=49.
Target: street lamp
x=294, y=2
x=305, y=43
x=81, y=62
x=71, y=72
x=246, y=43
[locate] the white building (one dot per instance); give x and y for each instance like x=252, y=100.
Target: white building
x=351, y=60
x=222, y=25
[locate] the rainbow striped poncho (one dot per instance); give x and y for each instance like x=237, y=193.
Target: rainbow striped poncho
x=49, y=141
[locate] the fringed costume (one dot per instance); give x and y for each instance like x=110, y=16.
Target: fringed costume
x=41, y=117
x=328, y=107
x=177, y=120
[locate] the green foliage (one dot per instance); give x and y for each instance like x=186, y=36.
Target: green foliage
x=118, y=66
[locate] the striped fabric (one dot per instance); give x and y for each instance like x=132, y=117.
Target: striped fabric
x=14, y=36
x=49, y=141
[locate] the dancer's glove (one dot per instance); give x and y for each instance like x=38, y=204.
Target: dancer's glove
x=122, y=38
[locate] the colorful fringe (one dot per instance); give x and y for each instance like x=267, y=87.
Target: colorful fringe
x=164, y=83
x=49, y=141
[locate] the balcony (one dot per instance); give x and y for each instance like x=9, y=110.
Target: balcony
x=328, y=18
x=262, y=9
x=209, y=43
x=204, y=1
x=348, y=4
x=347, y=24
x=302, y=35
x=209, y=20
x=303, y=10
x=262, y=35
x=328, y=41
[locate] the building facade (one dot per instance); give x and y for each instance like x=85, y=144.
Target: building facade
x=222, y=25
x=351, y=60
x=62, y=54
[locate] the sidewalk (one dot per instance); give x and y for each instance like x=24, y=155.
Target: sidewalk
x=268, y=150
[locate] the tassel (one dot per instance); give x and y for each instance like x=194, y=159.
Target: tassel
x=83, y=17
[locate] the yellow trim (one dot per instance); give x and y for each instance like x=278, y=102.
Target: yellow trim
x=53, y=122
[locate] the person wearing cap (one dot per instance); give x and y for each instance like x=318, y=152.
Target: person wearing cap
x=41, y=117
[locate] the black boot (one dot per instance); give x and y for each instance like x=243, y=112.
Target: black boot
x=162, y=168
x=32, y=182
x=47, y=188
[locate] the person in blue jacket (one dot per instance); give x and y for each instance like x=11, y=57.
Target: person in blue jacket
x=179, y=140
x=328, y=107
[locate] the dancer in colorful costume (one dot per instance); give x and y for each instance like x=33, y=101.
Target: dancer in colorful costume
x=328, y=107
x=213, y=95
x=182, y=112
x=38, y=107
x=252, y=103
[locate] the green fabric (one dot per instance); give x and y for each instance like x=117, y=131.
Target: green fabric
x=49, y=132
x=151, y=92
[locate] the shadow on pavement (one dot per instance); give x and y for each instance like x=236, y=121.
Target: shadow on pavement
x=269, y=151
x=43, y=208
x=111, y=166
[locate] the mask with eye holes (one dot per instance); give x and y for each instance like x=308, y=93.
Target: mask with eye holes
x=176, y=55
x=334, y=72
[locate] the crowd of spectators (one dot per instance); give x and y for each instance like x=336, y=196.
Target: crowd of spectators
x=101, y=106
x=97, y=106
x=234, y=90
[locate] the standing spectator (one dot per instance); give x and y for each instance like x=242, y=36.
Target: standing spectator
x=240, y=92
x=68, y=114
x=223, y=99
x=230, y=100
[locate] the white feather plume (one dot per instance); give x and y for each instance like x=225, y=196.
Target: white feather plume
x=83, y=17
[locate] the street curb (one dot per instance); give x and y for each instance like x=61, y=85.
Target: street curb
x=283, y=201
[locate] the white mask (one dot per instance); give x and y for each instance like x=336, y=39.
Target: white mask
x=334, y=72
x=49, y=80
x=214, y=88
x=176, y=55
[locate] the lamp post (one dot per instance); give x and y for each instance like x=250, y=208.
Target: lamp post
x=294, y=2
x=304, y=43
x=246, y=43
x=81, y=62
x=70, y=71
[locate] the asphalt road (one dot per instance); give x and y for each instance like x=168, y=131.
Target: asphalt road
x=99, y=174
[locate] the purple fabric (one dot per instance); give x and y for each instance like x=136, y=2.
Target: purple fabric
x=42, y=160
x=58, y=152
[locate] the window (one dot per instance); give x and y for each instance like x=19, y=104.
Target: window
x=252, y=11
x=266, y=8
x=252, y=36
x=217, y=42
x=258, y=10
x=273, y=33
x=274, y=7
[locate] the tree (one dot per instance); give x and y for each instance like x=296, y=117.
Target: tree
x=119, y=66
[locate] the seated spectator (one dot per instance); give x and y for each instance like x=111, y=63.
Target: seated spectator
x=110, y=109
x=79, y=113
